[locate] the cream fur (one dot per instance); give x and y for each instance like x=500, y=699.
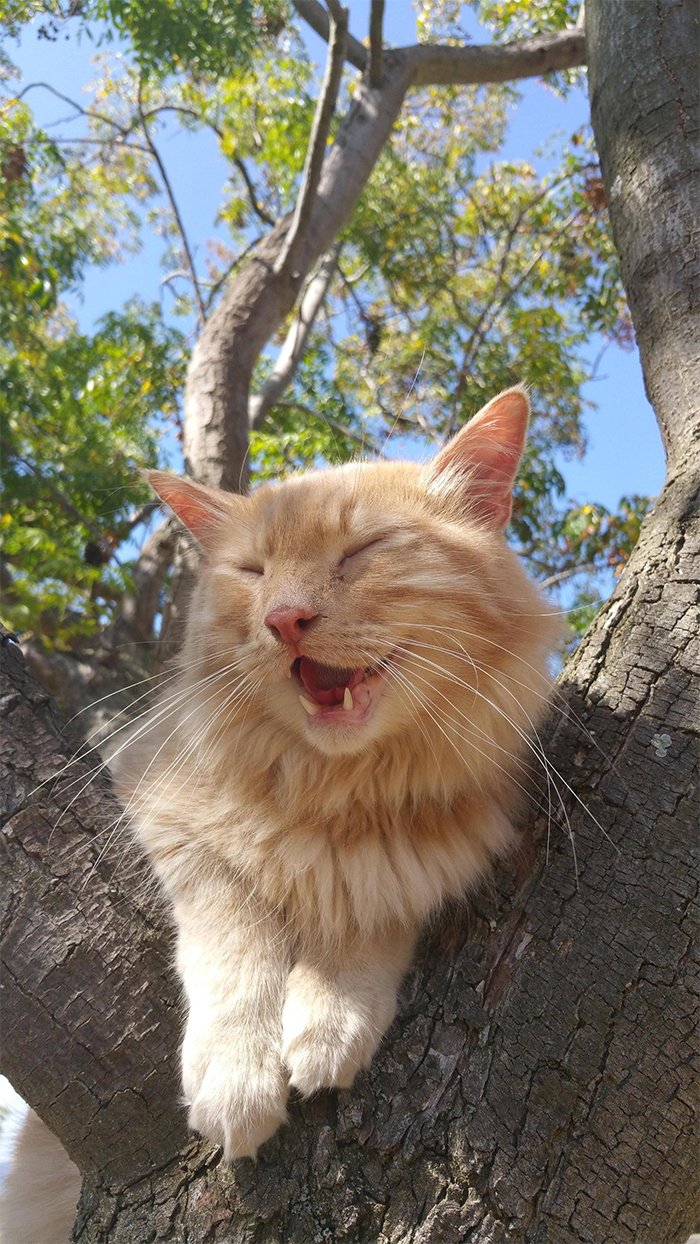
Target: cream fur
x=41, y=1191
x=301, y=861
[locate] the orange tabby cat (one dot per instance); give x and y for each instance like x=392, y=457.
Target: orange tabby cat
x=364, y=663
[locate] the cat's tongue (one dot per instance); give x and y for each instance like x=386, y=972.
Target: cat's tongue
x=327, y=683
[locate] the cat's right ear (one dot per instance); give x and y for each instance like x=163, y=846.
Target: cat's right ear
x=202, y=510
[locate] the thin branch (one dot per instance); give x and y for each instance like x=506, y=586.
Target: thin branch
x=142, y=515
x=563, y=575
x=96, y=142
x=360, y=439
x=294, y=347
x=173, y=204
x=237, y=160
x=376, y=21
x=316, y=150
x=252, y=196
x=317, y=18
x=86, y=112
x=216, y=286
x=581, y=19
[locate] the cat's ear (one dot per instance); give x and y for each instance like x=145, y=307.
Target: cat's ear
x=480, y=463
x=202, y=510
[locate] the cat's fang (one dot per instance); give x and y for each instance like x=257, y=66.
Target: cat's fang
x=312, y=709
x=347, y=701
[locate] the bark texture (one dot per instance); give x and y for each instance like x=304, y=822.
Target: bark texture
x=536, y=1086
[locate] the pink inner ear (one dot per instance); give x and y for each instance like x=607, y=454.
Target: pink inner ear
x=197, y=507
x=485, y=455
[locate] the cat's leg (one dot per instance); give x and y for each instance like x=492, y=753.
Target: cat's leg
x=338, y=1006
x=233, y=956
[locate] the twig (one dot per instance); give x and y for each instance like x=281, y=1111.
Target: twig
x=216, y=286
x=86, y=112
x=237, y=160
x=554, y=579
x=252, y=196
x=332, y=423
x=173, y=204
x=142, y=515
x=317, y=142
x=376, y=21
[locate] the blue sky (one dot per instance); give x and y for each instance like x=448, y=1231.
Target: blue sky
x=624, y=447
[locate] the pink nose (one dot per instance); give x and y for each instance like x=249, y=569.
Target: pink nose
x=289, y=622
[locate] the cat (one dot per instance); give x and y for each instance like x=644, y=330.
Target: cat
x=344, y=747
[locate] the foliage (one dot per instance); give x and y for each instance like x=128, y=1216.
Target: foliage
x=79, y=416
x=459, y=274
x=207, y=38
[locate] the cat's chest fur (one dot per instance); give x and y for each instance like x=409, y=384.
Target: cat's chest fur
x=345, y=857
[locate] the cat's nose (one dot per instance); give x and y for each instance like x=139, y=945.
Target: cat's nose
x=289, y=622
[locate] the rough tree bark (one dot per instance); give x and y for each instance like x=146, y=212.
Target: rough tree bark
x=536, y=1084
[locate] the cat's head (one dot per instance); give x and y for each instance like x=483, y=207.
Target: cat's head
x=371, y=600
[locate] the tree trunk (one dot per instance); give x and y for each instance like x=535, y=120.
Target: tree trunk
x=536, y=1084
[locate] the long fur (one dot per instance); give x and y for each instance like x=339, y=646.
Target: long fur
x=300, y=861
x=41, y=1190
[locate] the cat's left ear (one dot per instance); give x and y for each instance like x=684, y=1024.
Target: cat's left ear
x=480, y=463
x=204, y=511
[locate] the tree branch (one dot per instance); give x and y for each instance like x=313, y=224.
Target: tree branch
x=376, y=20
x=140, y=606
x=173, y=204
x=360, y=438
x=318, y=140
x=235, y=159
x=317, y=18
x=294, y=347
x=438, y=65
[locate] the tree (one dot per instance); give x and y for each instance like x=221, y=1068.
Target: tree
x=384, y=342
x=536, y=1083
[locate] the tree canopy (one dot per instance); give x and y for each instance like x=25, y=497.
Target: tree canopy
x=458, y=274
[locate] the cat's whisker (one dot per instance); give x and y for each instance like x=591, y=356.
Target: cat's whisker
x=539, y=752
x=172, y=705
x=168, y=675
x=181, y=756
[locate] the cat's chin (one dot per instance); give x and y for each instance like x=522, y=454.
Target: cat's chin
x=338, y=704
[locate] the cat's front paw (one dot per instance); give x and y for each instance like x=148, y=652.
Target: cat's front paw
x=327, y=1035
x=235, y=1099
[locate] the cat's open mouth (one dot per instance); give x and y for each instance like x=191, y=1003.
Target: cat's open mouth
x=335, y=694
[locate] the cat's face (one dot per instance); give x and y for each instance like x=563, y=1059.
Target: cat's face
x=366, y=600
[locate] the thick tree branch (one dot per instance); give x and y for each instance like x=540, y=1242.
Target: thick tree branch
x=255, y=302
x=318, y=141
x=441, y=65
x=437, y=65
x=294, y=347
x=140, y=606
x=659, y=246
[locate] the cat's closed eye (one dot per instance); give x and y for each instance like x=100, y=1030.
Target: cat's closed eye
x=348, y=559
x=250, y=568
